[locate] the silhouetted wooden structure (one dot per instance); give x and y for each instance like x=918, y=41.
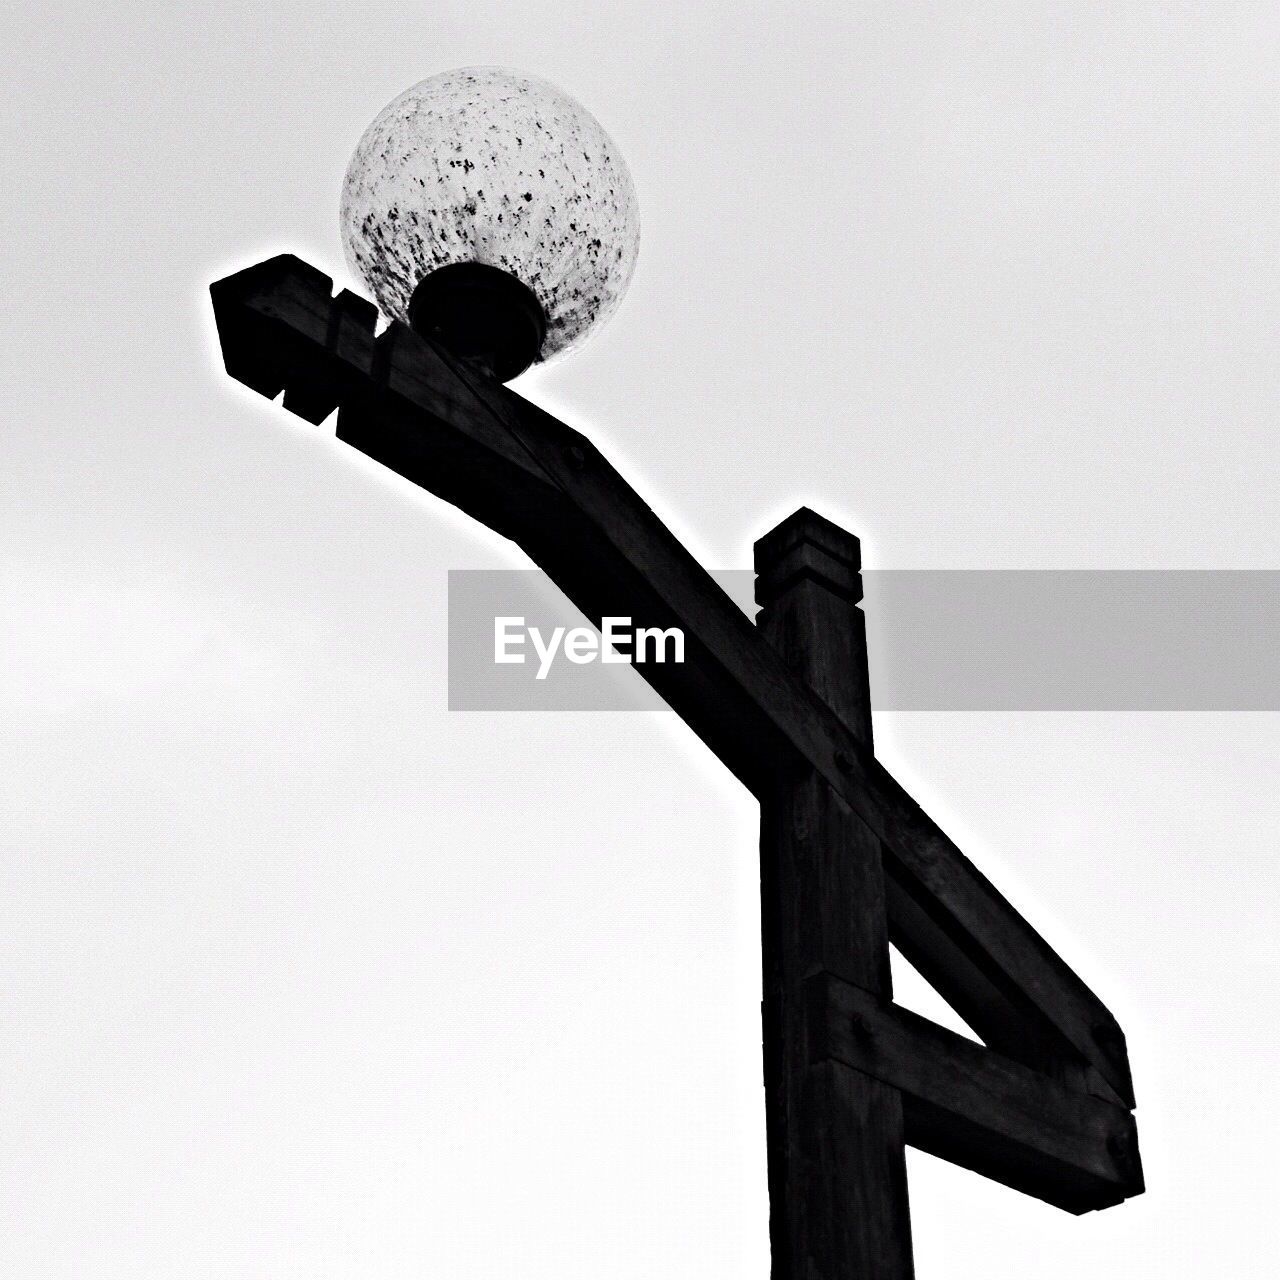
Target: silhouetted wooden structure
x=849, y=862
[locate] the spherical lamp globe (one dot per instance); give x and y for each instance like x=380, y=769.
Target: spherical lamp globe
x=491, y=211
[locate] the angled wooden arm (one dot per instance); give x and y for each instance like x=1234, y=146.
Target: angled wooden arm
x=531, y=478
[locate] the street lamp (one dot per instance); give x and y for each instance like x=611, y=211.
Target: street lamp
x=490, y=211
x=495, y=225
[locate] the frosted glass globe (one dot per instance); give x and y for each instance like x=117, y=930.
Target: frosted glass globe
x=487, y=165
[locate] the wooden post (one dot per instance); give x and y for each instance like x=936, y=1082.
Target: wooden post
x=837, y=1168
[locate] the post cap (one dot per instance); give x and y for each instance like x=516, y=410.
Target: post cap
x=808, y=546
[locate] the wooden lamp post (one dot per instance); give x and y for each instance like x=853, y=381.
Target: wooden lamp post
x=849, y=861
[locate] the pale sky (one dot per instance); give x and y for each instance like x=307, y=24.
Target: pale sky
x=302, y=974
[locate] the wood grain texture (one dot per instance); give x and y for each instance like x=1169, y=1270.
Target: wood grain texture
x=483, y=448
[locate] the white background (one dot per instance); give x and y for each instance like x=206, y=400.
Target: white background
x=300, y=974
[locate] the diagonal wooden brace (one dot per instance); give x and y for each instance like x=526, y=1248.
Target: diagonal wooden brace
x=482, y=447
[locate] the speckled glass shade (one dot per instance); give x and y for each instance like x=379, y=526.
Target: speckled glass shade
x=487, y=165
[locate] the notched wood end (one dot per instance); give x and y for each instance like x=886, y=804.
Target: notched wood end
x=282, y=330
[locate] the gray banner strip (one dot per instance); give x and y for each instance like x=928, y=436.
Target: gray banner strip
x=940, y=640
